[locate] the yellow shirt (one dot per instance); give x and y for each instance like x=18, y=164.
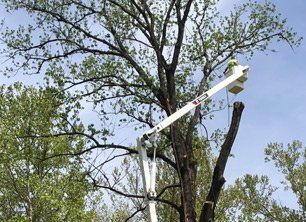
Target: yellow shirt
x=232, y=63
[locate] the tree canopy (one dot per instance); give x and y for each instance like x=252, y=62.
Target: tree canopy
x=33, y=186
x=137, y=62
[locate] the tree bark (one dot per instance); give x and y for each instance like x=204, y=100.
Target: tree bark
x=186, y=168
x=208, y=209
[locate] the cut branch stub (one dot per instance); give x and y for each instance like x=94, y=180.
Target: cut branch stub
x=208, y=209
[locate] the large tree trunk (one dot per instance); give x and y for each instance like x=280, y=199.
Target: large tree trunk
x=208, y=209
x=187, y=173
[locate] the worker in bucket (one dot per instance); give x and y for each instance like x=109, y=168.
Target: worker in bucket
x=233, y=62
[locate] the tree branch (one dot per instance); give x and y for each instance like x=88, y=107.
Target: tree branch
x=207, y=213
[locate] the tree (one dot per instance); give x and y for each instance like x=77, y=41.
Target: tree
x=252, y=197
x=33, y=186
x=138, y=61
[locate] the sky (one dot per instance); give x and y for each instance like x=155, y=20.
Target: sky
x=275, y=105
x=274, y=98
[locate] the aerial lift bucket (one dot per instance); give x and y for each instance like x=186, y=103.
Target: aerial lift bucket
x=237, y=86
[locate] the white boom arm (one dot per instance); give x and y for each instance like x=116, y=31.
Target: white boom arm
x=149, y=169
x=194, y=103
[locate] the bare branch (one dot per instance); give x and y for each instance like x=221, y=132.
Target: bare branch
x=207, y=213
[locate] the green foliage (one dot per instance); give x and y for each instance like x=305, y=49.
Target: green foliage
x=117, y=55
x=252, y=198
x=34, y=187
x=113, y=54
x=291, y=162
x=134, y=62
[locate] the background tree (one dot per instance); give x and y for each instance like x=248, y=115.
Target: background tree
x=139, y=61
x=33, y=186
x=252, y=196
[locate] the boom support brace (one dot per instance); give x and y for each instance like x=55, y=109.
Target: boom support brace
x=148, y=168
